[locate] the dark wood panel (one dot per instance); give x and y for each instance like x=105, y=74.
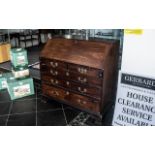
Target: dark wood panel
x=55, y=64
x=86, y=53
x=61, y=73
x=72, y=98
x=81, y=73
x=84, y=79
x=94, y=92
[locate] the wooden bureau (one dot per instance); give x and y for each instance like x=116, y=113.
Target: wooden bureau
x=82, y=74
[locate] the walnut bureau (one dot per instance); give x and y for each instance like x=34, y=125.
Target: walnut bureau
x=80, y=73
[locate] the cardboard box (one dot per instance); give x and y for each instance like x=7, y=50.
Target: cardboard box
x=19, y=88
x=4, y=52
x=19, y=57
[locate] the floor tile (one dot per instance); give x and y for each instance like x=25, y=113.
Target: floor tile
x=4, y=96
x=51, y=118
x=27, y=105
x=5, y=107
x=71, y=113
x=80, y=119
x=3, y=120
x=22, y=120
x=93, y=121
x=27, y=97
x=108, y=116
x=46, y=104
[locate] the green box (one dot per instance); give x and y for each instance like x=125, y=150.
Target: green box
x=19, y=57
x=20, y=72
x=19, y=88
x=3, y=82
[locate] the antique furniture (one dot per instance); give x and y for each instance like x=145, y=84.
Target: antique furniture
x=80, y=73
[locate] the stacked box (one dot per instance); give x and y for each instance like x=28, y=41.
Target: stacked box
x=19, y=57
x=19, y=88
x=19, y=62
x=20, y=72
x=19, y=84
x=4, y=52
x=3, y=82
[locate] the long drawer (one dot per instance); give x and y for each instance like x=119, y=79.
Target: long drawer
x=71, y=98
x=52, y=63
x=79, y=88
x=67, y=75
x=77, y=73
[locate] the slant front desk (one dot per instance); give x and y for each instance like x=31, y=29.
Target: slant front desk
x=80, y=73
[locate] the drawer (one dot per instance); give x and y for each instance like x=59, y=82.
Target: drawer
x=71, y=98
x=54, y=64
x=57, y=82
x=53, y=92
x=83, y=102
x=84, y=79
x=83, y=89
x=86, y=90
x=61, y=73
x=87, y=71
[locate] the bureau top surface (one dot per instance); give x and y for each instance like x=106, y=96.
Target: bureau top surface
x=87, y=53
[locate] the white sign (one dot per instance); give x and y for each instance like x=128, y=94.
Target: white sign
x=135, y=101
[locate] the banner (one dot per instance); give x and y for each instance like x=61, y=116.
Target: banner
x=135, y=101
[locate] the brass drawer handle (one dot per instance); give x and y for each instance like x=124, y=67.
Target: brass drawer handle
x=82, y=91
x=81, y=102
x=82, y=70
x=67, y=83
x=54, y=81
x=67, y=73
x=55, y=93
x=54, y=65
x=84, y=80
x=53, y=72
x=67, y=93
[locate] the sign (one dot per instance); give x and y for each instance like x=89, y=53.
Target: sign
x=135, y=101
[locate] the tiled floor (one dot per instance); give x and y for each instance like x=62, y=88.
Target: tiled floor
x=35, y=110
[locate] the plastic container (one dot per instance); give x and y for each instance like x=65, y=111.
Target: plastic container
x=19, y=88
x=19, y=57
x=20, y=72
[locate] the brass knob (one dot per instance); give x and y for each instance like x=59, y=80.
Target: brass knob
x=55, y=93
x=82, y=80
x=52, y=81
x=79, y=100
x=67, y=73
x=82, y=70
x=79, y=88
x=67, y=93
x=84, y=102
x=53, y=73
x=51, y=63
x=67, y=83
x=54, y=64
x=83, y=91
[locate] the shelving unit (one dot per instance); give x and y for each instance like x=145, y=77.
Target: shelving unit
x=29, y=38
